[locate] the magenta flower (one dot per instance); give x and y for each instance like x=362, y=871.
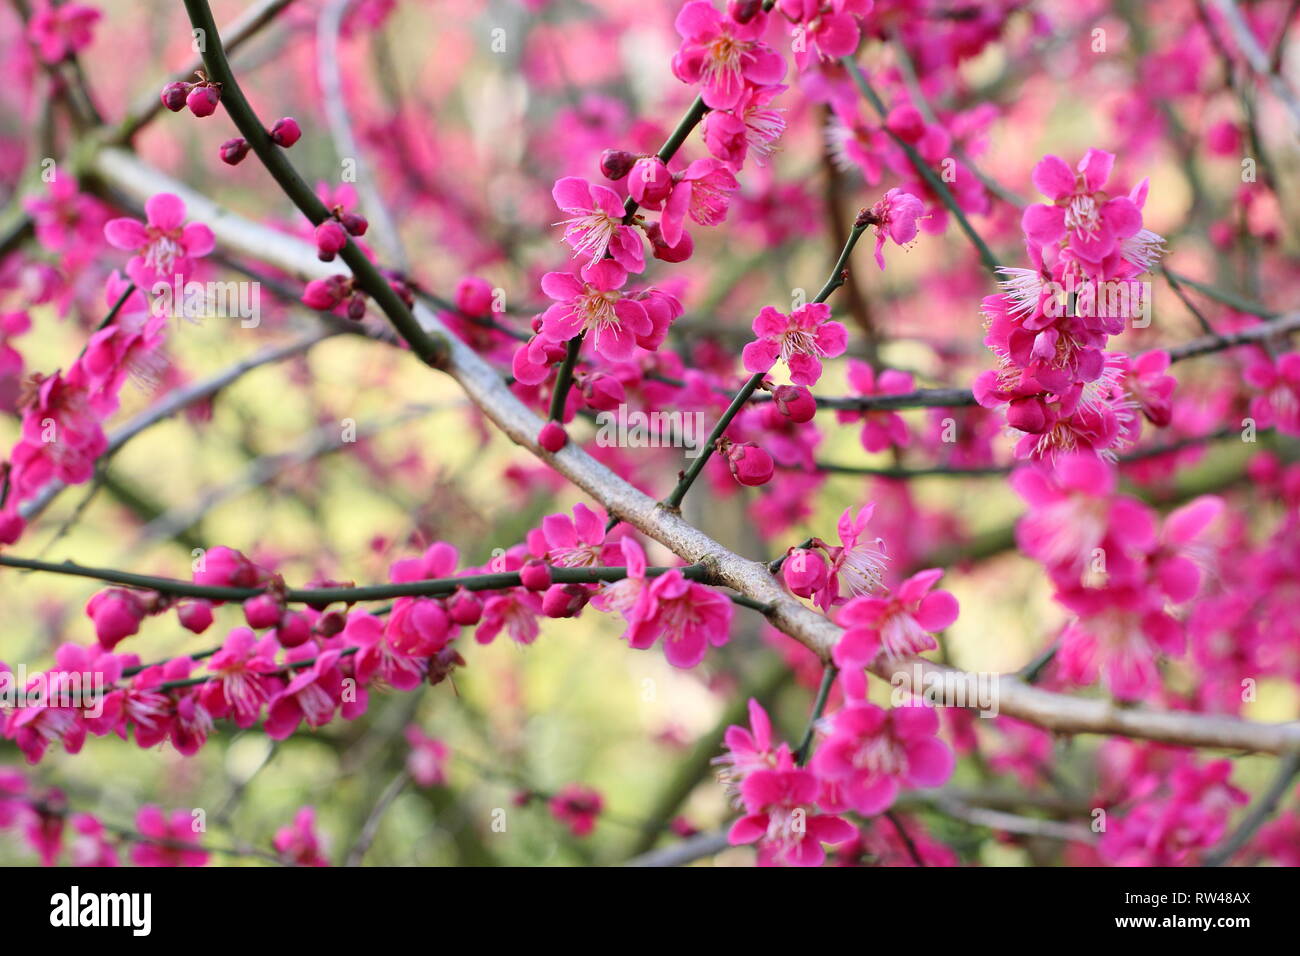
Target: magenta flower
x=298, y=842
x=577, y=542
x=781, y=817
x=577, y=807
x=379, y=659
x=1117, y=634
x=1151, y=388
x=688, y=616
x=243, y=678
x=175, y=840
x=165, y=248
x=592, y=303
x=899, y=626
x=748, y=750
x=881, y=430
x=427, y=761
x=895, y=217
x=1092, y=225
x=802, y=339
x=61, y=435
x=871, y=754
x=703, y=192
x=825, y=30
x=1279, y=382
x=723, y=56
x=313, y=694
x=60, y=31
x=595, y=225
x=857, y=565
x=752, y=126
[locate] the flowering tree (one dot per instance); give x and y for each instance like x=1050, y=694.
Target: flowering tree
x=1043, y=614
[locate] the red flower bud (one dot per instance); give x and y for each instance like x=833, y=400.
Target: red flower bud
x=325, y=294
x=666, y=253
x=602, y=392
x=742, y=11
x=565, y=600
x=1028, y=415
x=195, y=616
x=749, y=464
x=355, y=223
x=795, y=402
x=234, y=150
x=173, y=96
x=474, y=297
x=650, y=183
x=294, y=629
x=535, y=575
x=203, y=100
x=552, y=437
x=331, y=238
x=262, y=611
x=465, y=608
x=357, y=307
x=805, y=571
x=615, y=163
x=331, y=623
x=906, y=122
x=285, y=132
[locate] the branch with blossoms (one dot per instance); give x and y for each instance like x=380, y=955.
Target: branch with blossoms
x=1159, y=617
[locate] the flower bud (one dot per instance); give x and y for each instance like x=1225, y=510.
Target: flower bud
x=203, y=100
x=474, y=297
x=357, y=307
x=331, y=238
x=552, y=437
x=443, y=663
x=117, y=614
x=195, y=616
x=742, y=11
x=285, y=132
x=795, y=402
x=805, y=571
x=615, y=163
x=650, y=183
x=749, y=464
x=355, y=223
x=173, y=96
x=262, y=611
x=1028, y=415
x=565, y=600
x=234, y=150
x=465, y=608
x=331, y=623
x=602, y=392
x=535, y=575
x=325, y=294
x=665, y=253
x=12, y=526
x=906, y=122
x=293, y=630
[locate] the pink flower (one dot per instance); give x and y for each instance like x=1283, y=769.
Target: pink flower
x=1117, y=635
x=174, y=840
x=894, y=217
x=594, y=305
x=880, y=429
x=871, y=754
x=164, y=247
x=801, y=339
x=243, y=677
x=823, y=31
x=577, y=807
x=117, y=614
x=61, y=435
x=313, y=694
x=723, y=56
x=752, y=126
x=60, y=31
x=577, y=542
x=781, y=817
x=298, y=843
x=703, y=192
x=595, y=225
x=1080, y=213
x=900, y=625
x=90, y=845
x=748, y=750
x=1152, y=388
x=858, y=563
x=427, y=761
x=687, y=616
x=1279, y=381
x=378, y=659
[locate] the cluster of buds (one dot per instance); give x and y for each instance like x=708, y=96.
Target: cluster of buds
x=327, y=294
x=332, y=234
x=201, y=96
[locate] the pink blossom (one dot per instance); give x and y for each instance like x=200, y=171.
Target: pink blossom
x=164, y=247
x=899, y=626
x=577, y=807
x=723, y=56
x=703, y=192
x=1279, y=382
x=595, y=225
x=591, y=303
x=427, y=761
x=781, y=817
x=880, y=429
x=298, y=843
x=894, y=217
x=1080, y=213
x=169, y=841
x=801, y=339
x=857, y=564
x=243, y=678
x=871, y=754
x=61, y=31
